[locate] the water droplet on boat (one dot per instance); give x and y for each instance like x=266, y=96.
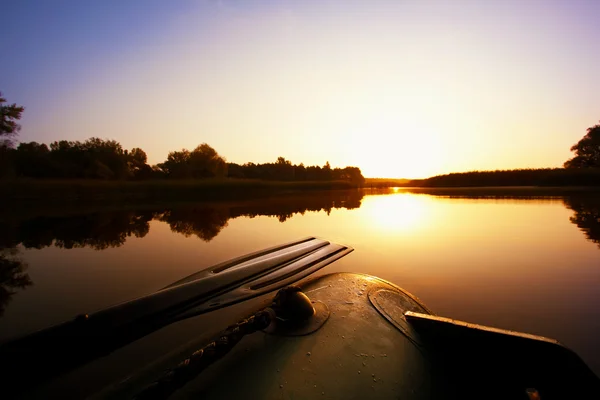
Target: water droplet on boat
x=308, y=353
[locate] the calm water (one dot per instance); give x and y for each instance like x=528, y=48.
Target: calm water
x=525, y=264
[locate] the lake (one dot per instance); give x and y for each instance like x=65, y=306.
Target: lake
x=525, y=263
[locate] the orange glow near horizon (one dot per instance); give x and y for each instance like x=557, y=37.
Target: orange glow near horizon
x=421, y=88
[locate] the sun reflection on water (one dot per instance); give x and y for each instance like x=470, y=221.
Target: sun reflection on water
x=398, y=213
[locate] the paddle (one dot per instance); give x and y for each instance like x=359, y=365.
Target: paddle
x=53, y=351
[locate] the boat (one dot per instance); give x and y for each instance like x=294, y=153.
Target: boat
x=295, y=335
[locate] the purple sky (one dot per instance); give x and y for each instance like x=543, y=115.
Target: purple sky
x=398, y=88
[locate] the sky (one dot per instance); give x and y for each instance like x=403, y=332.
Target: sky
x=398, y=88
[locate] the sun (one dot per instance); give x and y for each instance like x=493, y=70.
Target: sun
x=386, y=147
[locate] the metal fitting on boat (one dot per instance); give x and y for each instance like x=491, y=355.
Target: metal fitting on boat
x=296, y=314
x=292, y=305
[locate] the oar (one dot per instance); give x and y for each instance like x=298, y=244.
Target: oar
x=55, y=350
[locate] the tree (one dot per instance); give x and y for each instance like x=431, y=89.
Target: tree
x=205, y=162
x=202, y=162
x=9, y=115
x=283, y=170
x=587, y=150
x=137, y=164
x=177, y=164
x=33, y=160
x=104, y=159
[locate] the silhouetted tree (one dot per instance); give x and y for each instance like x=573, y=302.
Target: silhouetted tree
x=515, y=177
x=202, y=162
x=326, y=172
x=299, y=172
x=33, y=160
x=283, y=170
x=9, y=115
x=235, y=171
x=177, y=164
x=137, y=164
x=105, y=159
x=587, y=150
x=205, y=162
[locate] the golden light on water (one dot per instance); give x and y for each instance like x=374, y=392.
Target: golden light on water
x=398, y=213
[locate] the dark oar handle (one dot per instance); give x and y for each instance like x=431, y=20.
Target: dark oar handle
x=51, y=352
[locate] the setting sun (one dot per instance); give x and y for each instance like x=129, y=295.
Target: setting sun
x=422, y=88
x=295, y=176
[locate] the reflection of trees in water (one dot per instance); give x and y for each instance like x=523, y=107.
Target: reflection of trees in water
x=102, y=230
x=12, y=276
x=204, y=222
x=207, y=221
x=587, y=215
x=284, y=208
x=98, y=231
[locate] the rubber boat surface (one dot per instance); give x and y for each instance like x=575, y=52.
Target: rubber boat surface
x=343, y=336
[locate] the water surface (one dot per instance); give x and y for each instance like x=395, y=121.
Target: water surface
x=527, y=264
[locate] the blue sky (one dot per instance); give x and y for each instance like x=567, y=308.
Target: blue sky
x=398, y=88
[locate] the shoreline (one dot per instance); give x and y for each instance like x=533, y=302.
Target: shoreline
x=26, y=192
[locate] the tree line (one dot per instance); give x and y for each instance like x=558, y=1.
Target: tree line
x=581, y=170
x=514, y=177
x=105, y=159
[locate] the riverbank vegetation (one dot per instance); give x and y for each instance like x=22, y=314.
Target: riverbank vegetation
x=516, y=177
x=581, y=170
x=106, y=160
x=74, y=169
x=24, y=193
x=99, y=159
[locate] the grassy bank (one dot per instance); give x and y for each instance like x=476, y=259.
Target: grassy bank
x=24, y=192
x=499, y=192
x=544, y=177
